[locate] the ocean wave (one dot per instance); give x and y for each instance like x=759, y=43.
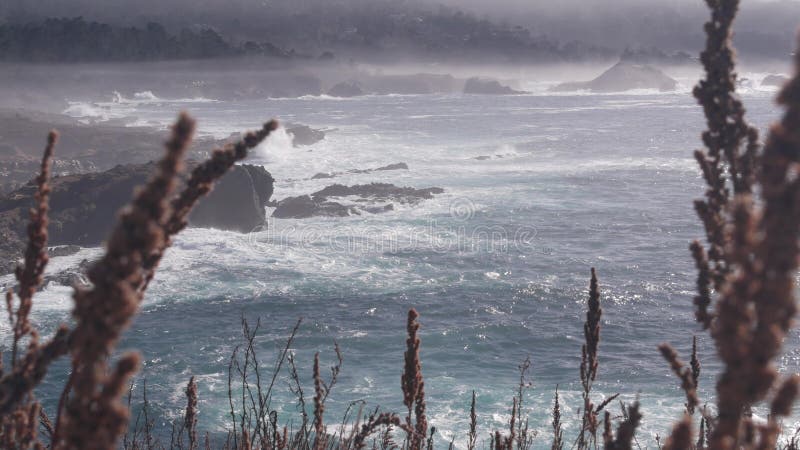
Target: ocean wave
x=121, y=107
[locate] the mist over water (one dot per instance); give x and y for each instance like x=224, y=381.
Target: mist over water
x=538, y=189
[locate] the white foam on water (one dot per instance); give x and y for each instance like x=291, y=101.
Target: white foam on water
x=529, y=139
x=119, y=107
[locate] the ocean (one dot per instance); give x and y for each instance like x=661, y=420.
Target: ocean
x=538, y=189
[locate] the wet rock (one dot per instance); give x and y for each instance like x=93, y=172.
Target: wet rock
x=73, y=276
x=488, y=86
x=63, y=250
x=395, y=166
x=237, y=201
x=379, y=191
x=84, y=208
x=305, y=206
x=371, y=198
x=623, y=76
x=303, y=135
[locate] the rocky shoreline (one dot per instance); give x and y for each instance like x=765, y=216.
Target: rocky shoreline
x=88, y=190
x=84, y=207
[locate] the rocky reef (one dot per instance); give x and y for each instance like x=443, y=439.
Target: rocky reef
x=488, y=86
x=304, y=135
x=351, y=200
x=623, y=76
x=395, y=166
x=83, y=207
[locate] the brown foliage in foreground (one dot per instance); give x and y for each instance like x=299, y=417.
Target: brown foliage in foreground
x=745, y=300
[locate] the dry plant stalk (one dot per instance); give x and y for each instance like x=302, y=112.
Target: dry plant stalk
x=626, y=430
x=320, y=437
x=92, y=417
x=589, y=364
x=757, y=305
x=200, y=183
x=558, y=430
x=753, y=250
x=681, y=436
x=694, y=363
x=729, y=162
x=29, y=275
x=414, y=386
x=685, y=374
x=372, y=425
x=473, y=425
x=19, y=411
x=190, y=418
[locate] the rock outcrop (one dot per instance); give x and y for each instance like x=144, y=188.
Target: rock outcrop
x=83, y=208
x=303, y=135
x=624, y=76
x=237, y=201
x=351, y=200
x=488, y=86
x=395, y=166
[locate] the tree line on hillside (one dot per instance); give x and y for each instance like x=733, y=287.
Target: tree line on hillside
x=79, y=40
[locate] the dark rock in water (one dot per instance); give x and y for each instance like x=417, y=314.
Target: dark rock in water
x=305, y=206
x=263, y=183
x=237, y=201
x=83, y=208
x=488, y=86
x=63, y=250
x=303, y=135
x=624, y=76
x=396, y=166
x=325, y=175
x=346, y=89
x=365, y=196
x=775, y=80
x=75, y=276
x=379, y=191
x=379, y=209
x=68, y=278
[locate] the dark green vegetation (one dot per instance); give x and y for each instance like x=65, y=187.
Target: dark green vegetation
x=78, y=40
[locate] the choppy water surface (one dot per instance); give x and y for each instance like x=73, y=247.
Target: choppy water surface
x=538, y=190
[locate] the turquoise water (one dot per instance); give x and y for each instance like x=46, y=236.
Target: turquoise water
x=538, y=189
